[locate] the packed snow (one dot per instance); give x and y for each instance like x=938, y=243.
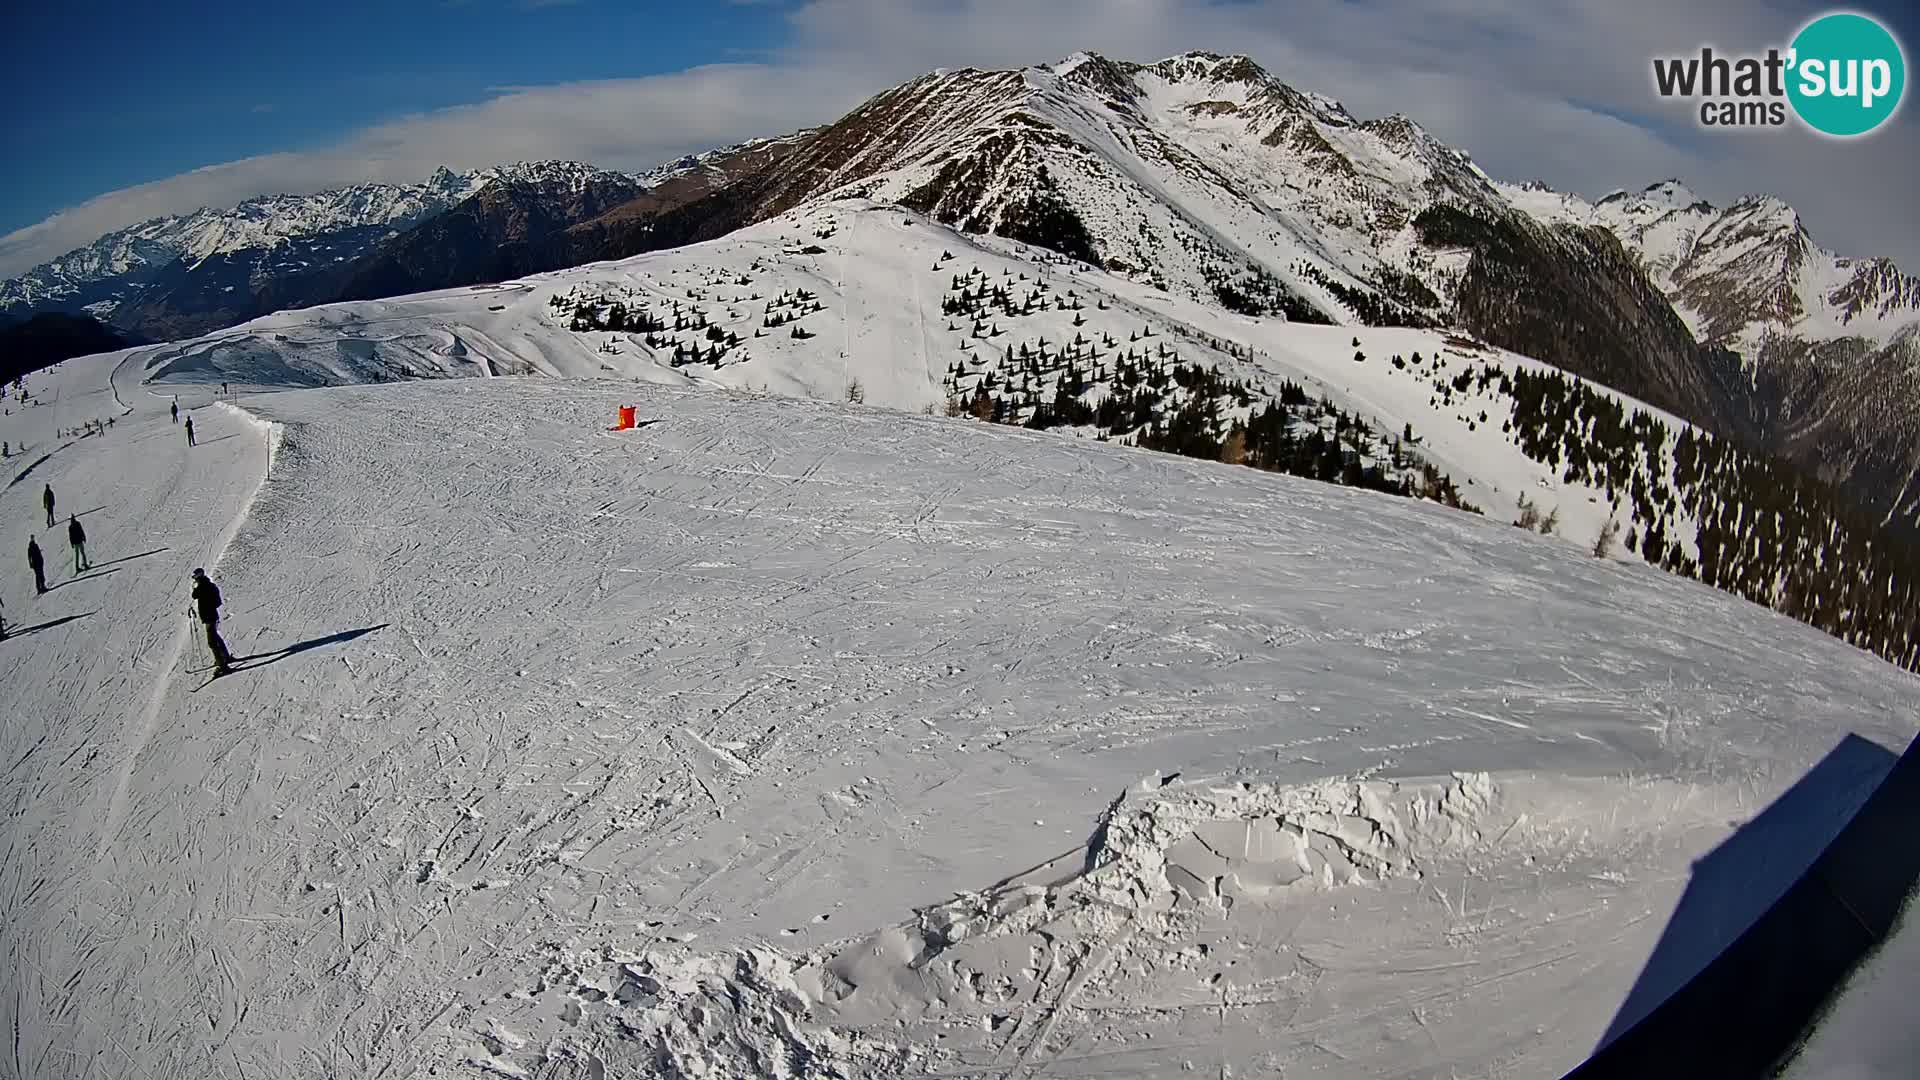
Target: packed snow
x=789, y=737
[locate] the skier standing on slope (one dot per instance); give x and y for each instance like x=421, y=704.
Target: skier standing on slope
x=77, y=536
x=175, y=409
x=206, y=604
x=189, y=431
x=38, y=563
x=46, y=500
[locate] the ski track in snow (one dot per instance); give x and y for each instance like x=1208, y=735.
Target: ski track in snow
x=728, y=743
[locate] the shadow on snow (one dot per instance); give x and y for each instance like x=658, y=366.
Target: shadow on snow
x=262, y=659
x=1771, y=923
x=126, y=558
x=89, y=574
x=48, y=625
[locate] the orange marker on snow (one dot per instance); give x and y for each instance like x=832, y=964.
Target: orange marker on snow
x=626, y=418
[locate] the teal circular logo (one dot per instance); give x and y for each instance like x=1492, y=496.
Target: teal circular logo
x=1847, y=75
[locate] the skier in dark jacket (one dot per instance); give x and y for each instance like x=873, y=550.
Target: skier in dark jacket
x=175, y=409
x=77, y=536
x=38, y=563
x=46, y=500
x=189, y=431
x=206, y=604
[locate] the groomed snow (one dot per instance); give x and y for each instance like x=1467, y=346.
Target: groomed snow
x=781, y=737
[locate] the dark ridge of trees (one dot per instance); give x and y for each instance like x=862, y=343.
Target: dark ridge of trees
x=46, y=339
x=1765, y=530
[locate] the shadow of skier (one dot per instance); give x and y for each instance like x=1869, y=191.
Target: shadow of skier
x=90, y=575
x=48, y=625
x=262, y=659
x=128, y=558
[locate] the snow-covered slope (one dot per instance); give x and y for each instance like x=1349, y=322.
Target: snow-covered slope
x=1201, y=173
x=870, y=288
x=856, y=299
x=783, y=737
x=1742, y=273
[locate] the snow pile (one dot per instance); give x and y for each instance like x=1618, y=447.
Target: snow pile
x=1162, y=862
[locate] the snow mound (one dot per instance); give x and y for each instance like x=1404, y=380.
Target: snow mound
x=1162, y=862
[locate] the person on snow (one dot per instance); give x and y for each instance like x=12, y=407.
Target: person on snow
x=189, y=431
x=206, y=605
x=38, y=563
x=175, y=409
x=46, y=500
x=77, y=536
x=3, y=621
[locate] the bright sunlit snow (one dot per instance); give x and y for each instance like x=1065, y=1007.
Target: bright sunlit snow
x=796, y=738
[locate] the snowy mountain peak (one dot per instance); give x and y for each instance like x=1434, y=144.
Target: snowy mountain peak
x=1212, y=67
x=446, y=181
x=1743, y=275
x=563, y=175
x=1072, y=63
x=1765, y=208
x=1671, y=193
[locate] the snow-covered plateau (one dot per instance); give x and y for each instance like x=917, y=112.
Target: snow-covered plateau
x=781, y=736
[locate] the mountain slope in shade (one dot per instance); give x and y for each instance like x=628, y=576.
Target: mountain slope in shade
x=1828, y=347
x=278, y=233
x=500, y=232
x=28, y=345
x=185, y=274
x=1742, y=273
x=518, y=226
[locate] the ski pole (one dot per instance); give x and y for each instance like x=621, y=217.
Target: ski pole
x=197, y=648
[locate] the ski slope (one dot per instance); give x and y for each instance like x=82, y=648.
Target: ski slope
x=879, y=275
x=793, y=738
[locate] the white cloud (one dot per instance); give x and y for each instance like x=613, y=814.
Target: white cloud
x=628, y=123
x=1534, y=89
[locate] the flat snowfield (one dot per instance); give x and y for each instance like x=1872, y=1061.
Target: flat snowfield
x=786, y=738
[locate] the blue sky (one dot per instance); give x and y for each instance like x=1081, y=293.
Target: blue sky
x=162, y=92
x=164, y=113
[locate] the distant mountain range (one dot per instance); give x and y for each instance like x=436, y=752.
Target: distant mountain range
x=185, y=274
x=1201, y=174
